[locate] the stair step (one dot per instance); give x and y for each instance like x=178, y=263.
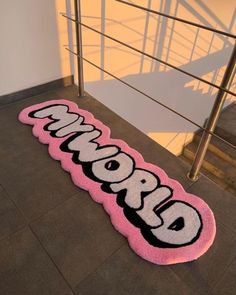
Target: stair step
x=216, y=180
x=216, y=168
x=220, y=149
x=226, y=134
x=226, y=126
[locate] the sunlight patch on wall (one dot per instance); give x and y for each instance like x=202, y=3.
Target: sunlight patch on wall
x=200, y=52
x=172, y=141
x=60, y=6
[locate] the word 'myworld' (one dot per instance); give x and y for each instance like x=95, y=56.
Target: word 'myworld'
x=162, y=222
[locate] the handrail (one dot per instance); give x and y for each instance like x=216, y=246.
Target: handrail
x=213, y=118
x=153, y=99
x=208, y=131
x=152, y=57
x=78, y=34
x=178, y=19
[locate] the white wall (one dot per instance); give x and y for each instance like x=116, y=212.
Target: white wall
x=31, y=53
x=165, y=127
x=200, y=52
x=30, y=50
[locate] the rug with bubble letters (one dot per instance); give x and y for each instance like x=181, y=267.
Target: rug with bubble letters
x=162, y=223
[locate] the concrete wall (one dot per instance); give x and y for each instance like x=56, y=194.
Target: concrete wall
x=32, y=35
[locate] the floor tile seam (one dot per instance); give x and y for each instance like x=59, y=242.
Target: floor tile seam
x=224, y=272
x=123, y=243
x=23, y=227
x=200, y=177
x=225, y=224
x=57, y=91
x=29, y=226
x=216, y=210
x=17, y=207
x=215, y=281
x=71, y=97
x=190, y=185
x=207, y=178
x=33, y=220
x=51, y=259
x=12, y=103
x=37, y=218
x=186, y=283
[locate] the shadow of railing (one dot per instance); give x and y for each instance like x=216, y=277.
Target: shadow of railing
x=178, y=91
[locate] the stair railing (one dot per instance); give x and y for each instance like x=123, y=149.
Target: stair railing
x=213, y=118
x=223, y=89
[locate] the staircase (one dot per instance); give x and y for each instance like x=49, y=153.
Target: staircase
x=220, y=160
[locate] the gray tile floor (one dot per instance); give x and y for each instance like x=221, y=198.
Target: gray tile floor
x=55, y=240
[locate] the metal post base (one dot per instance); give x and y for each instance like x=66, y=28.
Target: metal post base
x=193, y=178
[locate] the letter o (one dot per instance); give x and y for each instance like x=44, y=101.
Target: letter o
x=113, y=169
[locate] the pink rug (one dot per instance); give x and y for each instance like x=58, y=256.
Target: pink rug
x=163, y=223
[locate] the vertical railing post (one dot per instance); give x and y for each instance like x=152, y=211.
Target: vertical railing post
x=79, y=47
x=213, y=119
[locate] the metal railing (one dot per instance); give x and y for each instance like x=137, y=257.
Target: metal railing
x=223, y=89
x=178, y=19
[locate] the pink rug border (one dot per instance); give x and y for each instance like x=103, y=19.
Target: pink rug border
x=119, y=221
